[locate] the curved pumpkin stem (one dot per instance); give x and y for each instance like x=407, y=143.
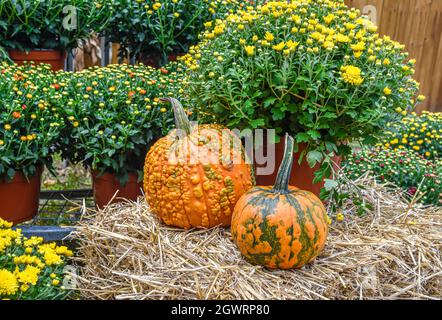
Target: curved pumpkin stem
x=181, y=120
x=285, y=169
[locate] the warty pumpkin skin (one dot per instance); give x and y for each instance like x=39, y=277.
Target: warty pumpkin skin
x=281, y=226
x=190, y=193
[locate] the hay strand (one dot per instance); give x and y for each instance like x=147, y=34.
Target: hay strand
x=392, y=252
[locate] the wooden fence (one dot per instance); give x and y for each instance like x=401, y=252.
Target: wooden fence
x=418, y=25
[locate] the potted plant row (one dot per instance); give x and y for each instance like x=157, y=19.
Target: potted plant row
x=104, y=118
x=315, y=69
x=44, y=31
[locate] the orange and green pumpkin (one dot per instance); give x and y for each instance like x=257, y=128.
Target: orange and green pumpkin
x=281, y=226
x=194, y=176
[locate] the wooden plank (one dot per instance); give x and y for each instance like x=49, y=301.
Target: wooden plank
x=436, y=97
x=418, y=25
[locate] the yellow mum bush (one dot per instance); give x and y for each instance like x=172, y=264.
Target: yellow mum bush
x=30, y=269
x=313, y=68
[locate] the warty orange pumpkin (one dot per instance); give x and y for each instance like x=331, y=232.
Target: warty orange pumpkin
x=281, y=226
x=194, y=176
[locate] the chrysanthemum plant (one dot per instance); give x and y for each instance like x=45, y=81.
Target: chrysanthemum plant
x=37, y=24
x=31, y=269
x=419, y=133
x=315, y=69
x=419, y=177
x=29, y=124
x=113, y=115
x=161, y=26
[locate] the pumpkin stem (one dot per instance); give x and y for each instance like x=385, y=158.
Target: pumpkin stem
x=181, y=120
x=285, y=169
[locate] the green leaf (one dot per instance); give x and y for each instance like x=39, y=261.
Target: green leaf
x=10, y=174
x=257, y=123
x=314, y=157
x=331, y=147
x=330, y=184
x=34, y=39
x=369, y=140
x=302, y=137
x=314, y=134
x=269, y=101
x=277, y=114
x=321, y=173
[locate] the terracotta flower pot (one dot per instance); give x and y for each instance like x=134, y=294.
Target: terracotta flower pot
x=302, y=175
x=107, y=187
x=19, y=198
x=55, y=58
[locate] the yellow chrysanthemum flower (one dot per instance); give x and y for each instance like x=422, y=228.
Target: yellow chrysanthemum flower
x=342, y=38
x=352, y=75
x=340, y=216
x=387, y=91
x=292, y=45
x=156, y=6
x=28, y=276
x=279, y=47
x=8, y=283
x=360, y=46
x=269, y=37
x=250, y=50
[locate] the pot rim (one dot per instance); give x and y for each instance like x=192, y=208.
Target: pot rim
x=43, y=54
x=110, y=177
